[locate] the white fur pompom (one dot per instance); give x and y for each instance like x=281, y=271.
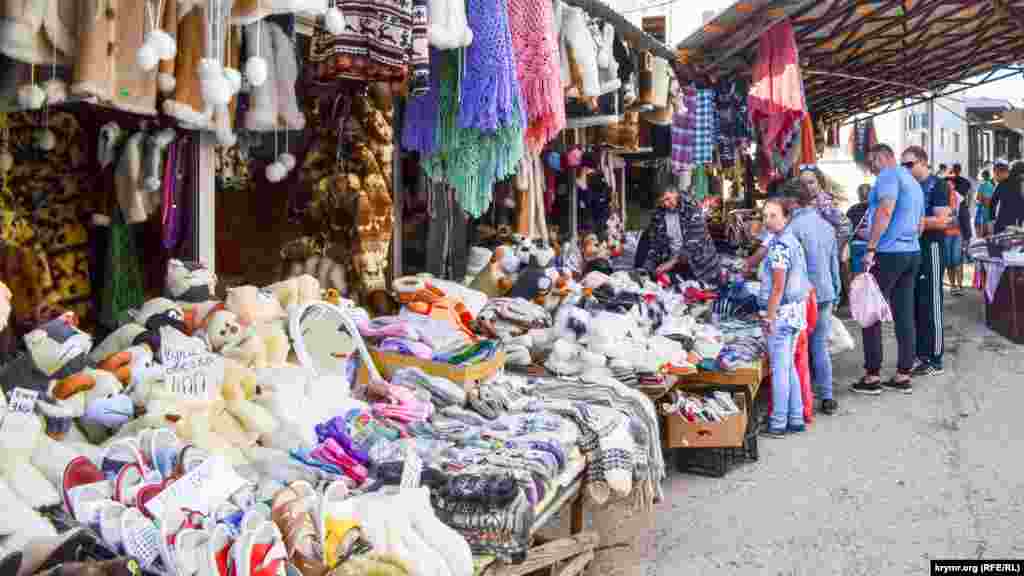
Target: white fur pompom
x=226, y=138
x=166, y=82
x=256, y=70
x=6, y=161
x=31, y=97
x=45, y=140
x=287, y=160
x=147, y=57
x=276, y=172
x=151, y=184
x=213, y=85
x=234, y=78
x=334, y=20
x=163, y=43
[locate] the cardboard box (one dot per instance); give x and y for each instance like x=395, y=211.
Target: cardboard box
x=468, y=376
x=730, y=433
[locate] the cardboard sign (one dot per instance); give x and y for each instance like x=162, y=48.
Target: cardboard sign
x=22, y=401
x=195, y=378
x=202, y=489
x=176, y=347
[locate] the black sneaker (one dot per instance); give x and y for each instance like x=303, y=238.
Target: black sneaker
x=869, y=388
x=926, y=369
x=897, y=386
x=829, y=407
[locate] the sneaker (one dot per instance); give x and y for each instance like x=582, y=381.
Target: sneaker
x=898, y=386
x=926, y=369
x=869, y=388
x=796, y=428
x=773, y=432
x=829, y=407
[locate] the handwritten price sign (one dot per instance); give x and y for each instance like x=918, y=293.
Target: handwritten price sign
x=197, y=378
x=22, y=401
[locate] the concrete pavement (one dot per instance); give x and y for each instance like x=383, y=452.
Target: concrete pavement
x=882, y=487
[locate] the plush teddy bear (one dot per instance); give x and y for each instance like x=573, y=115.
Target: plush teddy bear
x=499, y=276
x=534, y=279
x=96, y=400
x=296, y=291
x=300, y=399
x=190, y=282
x=251, y=305
x=257, y=345
x=144, y=329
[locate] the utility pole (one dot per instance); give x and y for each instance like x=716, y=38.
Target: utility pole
x=931, y=130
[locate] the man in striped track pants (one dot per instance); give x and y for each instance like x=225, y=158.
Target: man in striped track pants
x=928, y=295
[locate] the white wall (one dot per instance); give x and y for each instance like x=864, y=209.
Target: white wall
x=949, y=127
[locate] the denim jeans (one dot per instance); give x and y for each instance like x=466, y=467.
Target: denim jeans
x=821, y=360
x=787, y=401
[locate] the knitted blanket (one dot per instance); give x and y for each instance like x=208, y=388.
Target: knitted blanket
x=538, y=70
x=646, y=460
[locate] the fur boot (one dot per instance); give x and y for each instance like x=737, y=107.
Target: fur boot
x=262, y=112
x=156, y=145
x=186, y=105
x=285, y=75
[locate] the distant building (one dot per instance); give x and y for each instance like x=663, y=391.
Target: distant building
x=950, y=127
x=988, y=138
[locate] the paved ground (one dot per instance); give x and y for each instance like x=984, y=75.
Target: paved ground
x=880, y=488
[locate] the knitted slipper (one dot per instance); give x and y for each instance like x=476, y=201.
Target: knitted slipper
x=291, y=513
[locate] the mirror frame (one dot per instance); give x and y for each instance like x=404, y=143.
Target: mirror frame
x=299, y=344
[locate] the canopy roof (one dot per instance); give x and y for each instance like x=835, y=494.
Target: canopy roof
x=859, y=55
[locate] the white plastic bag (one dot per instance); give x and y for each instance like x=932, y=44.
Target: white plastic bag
x=840, y=340
x=867, y=303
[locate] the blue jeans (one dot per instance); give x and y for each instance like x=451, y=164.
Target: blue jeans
x=821, y=360
x=787, y=401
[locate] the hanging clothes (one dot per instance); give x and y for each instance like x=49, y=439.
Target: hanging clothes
x=480, y=115
x=530, y=185
x=808, y=151
x=705, y=127
x=776, y=98
x=381, y=40
x=682, y=131
x=532, y=26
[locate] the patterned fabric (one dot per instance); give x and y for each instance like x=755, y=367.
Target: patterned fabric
x=683, y=131
x=420, y=59
x=60, y=229
x=705, y=127
x=377, y=43
x=698, y=246
x=733, y=119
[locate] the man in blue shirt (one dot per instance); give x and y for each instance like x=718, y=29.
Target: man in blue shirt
x=928, y=288
x=895, y=210
x=821, y=251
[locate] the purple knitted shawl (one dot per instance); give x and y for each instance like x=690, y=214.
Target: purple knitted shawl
x=490, y=88
x=421, y=113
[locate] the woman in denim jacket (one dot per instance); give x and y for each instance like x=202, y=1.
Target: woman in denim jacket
x=784, y=291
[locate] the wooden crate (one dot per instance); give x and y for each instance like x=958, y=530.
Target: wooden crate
x=467, y=376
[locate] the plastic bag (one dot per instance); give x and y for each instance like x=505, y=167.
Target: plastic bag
x=867, y=303
x=840, y=340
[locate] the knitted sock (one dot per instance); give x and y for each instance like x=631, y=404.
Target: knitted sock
x=494, y=490
x=286, y=73
x=262, y=111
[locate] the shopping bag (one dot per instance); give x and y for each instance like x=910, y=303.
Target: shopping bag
x=867, y=303
x=840, y=340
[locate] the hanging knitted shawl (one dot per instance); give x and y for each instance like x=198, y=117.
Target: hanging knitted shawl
x=479, y=131
x=776, y=98
x=421, y=113
x=538, y=71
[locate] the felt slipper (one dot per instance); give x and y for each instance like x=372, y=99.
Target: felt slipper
x=261, y=552
x=217, y=557
x=141, y=538
x=83, y=482
x=110, y=525
x=189, y=552
x=120, y=453
x=335, y=492
x=163, y=449
x=128, y=484
x=189, y=458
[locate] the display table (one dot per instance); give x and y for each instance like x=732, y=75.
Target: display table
x=1004, y=298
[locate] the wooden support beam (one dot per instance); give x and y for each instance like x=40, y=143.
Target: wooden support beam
x=548, y=554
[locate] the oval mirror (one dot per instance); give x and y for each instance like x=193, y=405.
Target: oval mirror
x=326, y=339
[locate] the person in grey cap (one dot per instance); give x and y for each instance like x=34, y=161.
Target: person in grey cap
x=1000, y=172
x=1008, y=199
